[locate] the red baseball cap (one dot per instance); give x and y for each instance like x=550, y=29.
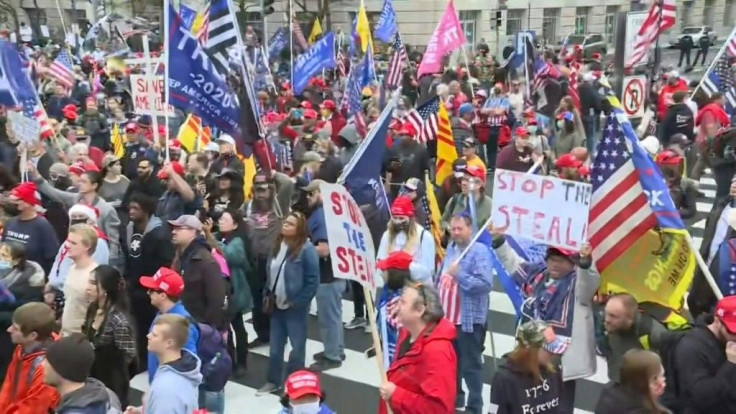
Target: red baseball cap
x=310, y=114
x=328, y=104
x=408, y=129
x=166, y=280
x=567, y=161
x=26, y=192
x=668, y=158
x=396, y=260
x=178, y=168
x=301, y=383
x=402, y=206
x=726, y=312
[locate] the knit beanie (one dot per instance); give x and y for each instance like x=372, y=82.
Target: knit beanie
x=71, y=357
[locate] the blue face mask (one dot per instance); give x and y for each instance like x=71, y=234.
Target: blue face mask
x=532, y=129
x=560, y=124
x=4, y=265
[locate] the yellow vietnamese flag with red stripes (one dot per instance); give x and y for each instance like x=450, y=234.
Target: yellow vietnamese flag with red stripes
x=446, y=152
x=192, y=136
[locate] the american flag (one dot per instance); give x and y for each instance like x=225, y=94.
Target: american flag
x=720, y=78
x=424, y=119
x=620, y=213
x=341, y=69
x=296, y=29
x=652, y=27
x=204, y=28
x=61, y=69
x=543, y=70
x=395, y=65
x=449, y=298
x=353, y=100
x=33, y=110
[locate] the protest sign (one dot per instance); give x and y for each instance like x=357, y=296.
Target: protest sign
x=139, y=85
x=351, y=245
x=25, y=129
x=543, y=209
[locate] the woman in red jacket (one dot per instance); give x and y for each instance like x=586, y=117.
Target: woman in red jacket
x=422, y=378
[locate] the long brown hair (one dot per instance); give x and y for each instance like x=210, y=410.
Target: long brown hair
x=295, y=243
x=526, y=359
x=638, y=367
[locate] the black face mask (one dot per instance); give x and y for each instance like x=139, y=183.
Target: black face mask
x=77, y=221
x=396, y=279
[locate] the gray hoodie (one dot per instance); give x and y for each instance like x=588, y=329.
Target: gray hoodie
x=175, y=386
x=92, y=398
x=350, y=134
x=108, y=221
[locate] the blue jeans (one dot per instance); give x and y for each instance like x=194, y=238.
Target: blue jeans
x=591, y=131
x=288, y=324
x=469, y=349
x=329, y=315
x=213, y=402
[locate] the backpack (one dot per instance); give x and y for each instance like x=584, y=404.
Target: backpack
x=217, y=365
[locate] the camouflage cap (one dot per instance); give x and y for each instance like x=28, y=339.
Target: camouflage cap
x=538, y=334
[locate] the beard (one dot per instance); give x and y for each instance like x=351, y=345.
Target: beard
x=262, y=205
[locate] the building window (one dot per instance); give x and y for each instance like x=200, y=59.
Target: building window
x=514, y=21
x=36, y=16
x=708, y=12
x=467, y=20
x=581, y=20
x=611, y=12
x=728, y=12
x=687, y=9
x=549, y=25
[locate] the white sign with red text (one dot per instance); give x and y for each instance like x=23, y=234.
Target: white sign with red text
x=351, y=244
x=544, y=209
x=139, y=93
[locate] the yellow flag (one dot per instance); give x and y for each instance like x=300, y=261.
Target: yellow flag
x=363, y=29
x=198, y=21
x=316, y=31
x=446, y=152
x=116, y=138
x=189, y=133
x=115, y=64
x=435, y=217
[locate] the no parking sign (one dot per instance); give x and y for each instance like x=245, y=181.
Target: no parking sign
x=634, y=95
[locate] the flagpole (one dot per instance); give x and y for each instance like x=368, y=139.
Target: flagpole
x=167, y=26
x=150, y=77
x=715, y=60
x=291, y=41
x=526, y=70
x=61, y=17
x=467, y=67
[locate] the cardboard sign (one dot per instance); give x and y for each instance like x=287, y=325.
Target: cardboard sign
x=540, y=208
x=351, y=245
x=139, y=91
x=25, y=129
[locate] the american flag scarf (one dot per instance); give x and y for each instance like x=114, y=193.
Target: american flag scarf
x=388, y=324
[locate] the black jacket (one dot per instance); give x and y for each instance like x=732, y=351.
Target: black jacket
x=514, y=391
x=678, y=120
x=616, y=399
x=232, y=162
x=705, y=378
x=152, y=187
x=146, y=250
x=205, y=289
x=589, y=101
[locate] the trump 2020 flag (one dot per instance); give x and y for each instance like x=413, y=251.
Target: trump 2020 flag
x=194, y=85
x=448, y=36
x=277, y=43
x=634, y=223
x=188, y=15
x=386, y=26
x=369, y=69
x=320, y=56
x=15, y=87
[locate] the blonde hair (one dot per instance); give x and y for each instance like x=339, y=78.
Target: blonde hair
x=412, y=238
x=88, y=234
x=177, y=328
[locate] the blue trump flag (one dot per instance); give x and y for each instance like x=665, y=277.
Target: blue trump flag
x=15, y=87
x=320, y=56
x=195, y=85
x=277, y=43
x=187, y=15
x=386, y=26
x=369, y=69
x=354, y=38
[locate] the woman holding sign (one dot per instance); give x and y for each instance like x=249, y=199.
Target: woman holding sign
x=293, y=277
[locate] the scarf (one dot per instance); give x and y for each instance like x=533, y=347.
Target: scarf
x=388, y=325
x=550, y=302
x=727, y=267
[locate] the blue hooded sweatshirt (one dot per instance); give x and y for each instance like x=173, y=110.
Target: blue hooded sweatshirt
x=192, y=339
x=175, y=387
x=323, y=409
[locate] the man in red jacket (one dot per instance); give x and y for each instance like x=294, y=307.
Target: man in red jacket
x=333, y=120
x=674, y=84
x=24, y=391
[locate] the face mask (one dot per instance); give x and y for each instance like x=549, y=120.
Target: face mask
x=496, y=91
x=4, y=265
x=77, y=221
x=308, y=408
x=532, y=129
x=560, y=124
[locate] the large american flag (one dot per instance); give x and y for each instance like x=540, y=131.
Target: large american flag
x=720, y=78
x=424, y=119
x=33, y=110
x=354, y=99
x=204, y=28
x=61, y=69
x=341, y=67
x=572, y=88
x=543, y=70
x=620, y=213
x=661, y=17
x=396, y=63
x=296, y=30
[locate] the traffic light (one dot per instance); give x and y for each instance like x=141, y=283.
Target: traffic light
x=268, y=7
x=499, y=18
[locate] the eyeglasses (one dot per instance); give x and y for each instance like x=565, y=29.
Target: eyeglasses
x=149, y=291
